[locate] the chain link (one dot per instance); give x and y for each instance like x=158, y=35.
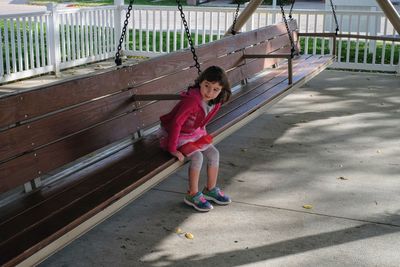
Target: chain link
x=189, y=37
x=118, y=59
x=291, y=9
x=292, y=50
x=235, y=19
x=334, y=15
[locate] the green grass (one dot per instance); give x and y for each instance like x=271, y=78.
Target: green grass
x=21, y=55
x=163, y=35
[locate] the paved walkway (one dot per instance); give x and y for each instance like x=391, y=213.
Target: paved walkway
x=333, y=144
x=12, y=7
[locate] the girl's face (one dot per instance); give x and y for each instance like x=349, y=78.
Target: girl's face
x=209, y=90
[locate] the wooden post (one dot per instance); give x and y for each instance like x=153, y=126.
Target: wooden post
x=244, y=16
x=117, y=22
x=54, y=39
x=391, y=13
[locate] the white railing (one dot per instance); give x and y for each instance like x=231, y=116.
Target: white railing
x=23, y=46
x=34, y=43
x=39, y=43
x=86, y=35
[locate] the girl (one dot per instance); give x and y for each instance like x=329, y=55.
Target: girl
x=183, y=133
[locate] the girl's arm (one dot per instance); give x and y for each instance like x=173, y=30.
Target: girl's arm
x=184, y=111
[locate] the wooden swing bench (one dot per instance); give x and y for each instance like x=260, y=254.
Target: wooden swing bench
x=45, y=133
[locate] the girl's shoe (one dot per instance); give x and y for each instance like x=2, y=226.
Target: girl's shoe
x=198, y=202
x=216, y=195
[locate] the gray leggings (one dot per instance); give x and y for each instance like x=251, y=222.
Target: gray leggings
x=212, y=155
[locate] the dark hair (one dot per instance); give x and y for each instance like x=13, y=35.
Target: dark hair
x=216, y=74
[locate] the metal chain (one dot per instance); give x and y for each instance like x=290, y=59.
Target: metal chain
x=189, y=37
x=292, y=50
x=334, y=15
x=118, y=59
x=291, y=8
x=235, y=19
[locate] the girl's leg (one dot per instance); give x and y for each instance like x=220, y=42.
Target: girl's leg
x=194, y=172
x=212, y=192
x=212, y=155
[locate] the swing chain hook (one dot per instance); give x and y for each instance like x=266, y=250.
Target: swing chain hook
x=235, y=18
x=189, y=37
x=334, y=15
x=118, y=60
x=292, y=50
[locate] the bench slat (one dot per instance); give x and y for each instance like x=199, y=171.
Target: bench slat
x=37, y=102
x=67, y=217
x=31, y=165
x=27, y=137
x=74, y=192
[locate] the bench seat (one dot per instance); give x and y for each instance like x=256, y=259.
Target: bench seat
x=46, y=217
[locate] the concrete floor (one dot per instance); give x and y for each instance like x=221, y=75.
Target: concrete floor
x=333, y=144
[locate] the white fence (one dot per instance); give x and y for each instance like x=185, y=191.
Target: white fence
x=57, y=39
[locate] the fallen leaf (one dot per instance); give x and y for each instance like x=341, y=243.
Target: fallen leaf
x=178, y=231
x=307, y=206
x=189, y=235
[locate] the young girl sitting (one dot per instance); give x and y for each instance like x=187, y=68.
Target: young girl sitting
x=183, y=133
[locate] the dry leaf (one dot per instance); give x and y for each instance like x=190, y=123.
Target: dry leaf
x=189, y=235
x=307, y=206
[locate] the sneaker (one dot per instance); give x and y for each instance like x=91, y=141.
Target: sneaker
x=216, y=195
x=198, y=202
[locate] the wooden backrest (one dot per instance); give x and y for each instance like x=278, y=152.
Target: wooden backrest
x=48, y=127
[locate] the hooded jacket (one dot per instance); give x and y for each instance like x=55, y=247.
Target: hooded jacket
x=187, y=116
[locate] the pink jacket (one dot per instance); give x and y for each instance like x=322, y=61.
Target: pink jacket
x=187, y=116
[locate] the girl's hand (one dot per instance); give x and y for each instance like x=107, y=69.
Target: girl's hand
x=178, y=155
